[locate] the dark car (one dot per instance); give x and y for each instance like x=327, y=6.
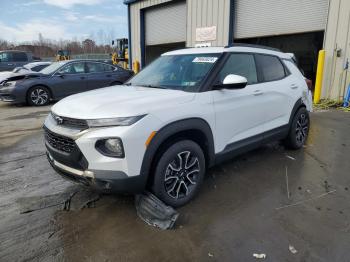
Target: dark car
x=61, y=79
x=13, y=58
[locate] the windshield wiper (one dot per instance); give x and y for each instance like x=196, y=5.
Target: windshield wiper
x=153, y=86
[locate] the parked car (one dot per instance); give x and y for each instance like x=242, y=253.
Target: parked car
x=28, y=68
x=35, y=67
x=182, y=114
x=12, y=58
x=61, y=79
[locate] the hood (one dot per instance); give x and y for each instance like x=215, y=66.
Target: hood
x=10, y=76
x=119, y=101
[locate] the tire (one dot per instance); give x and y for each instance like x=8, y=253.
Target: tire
x=38, y=96
x=299, y=129
x=179, y=173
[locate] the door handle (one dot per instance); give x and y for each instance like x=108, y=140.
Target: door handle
x=293, y=86
x=82, y=77
x=108, y=75
x=258, y=92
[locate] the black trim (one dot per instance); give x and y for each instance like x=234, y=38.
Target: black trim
x=142, y=38
x=296, y=107
x=231, y=35
x=129, y=38
x=172, y=129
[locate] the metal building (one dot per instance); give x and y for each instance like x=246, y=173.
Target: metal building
x=297, y=26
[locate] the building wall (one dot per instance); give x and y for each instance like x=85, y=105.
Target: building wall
x=200, y=13
x=337, y=37
x=207, y=13
x=135, y=25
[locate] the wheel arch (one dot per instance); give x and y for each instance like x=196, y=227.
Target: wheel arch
x=195, y=129
x=295, y=109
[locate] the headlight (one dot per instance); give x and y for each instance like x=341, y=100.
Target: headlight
x=10, y=83
x=119, y=121
x=112, y=147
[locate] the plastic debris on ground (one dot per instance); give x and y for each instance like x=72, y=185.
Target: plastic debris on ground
x=292, y=249
x=290, y=157
x=259, y=256
x=210, y=255
x=154, y=212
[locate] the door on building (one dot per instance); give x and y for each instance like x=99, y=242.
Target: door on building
x=164, y=30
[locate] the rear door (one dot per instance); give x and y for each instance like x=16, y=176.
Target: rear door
x=240, y=113
x=69, y=79
x=280, y=90
x=20, y=58
x=99, y=75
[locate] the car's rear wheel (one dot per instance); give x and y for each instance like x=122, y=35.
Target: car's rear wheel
x=299, y=129
x=38, y=96
x=179, y=173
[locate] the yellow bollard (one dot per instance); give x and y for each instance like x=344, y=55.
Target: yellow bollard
x=319, y=76
x=136, y=66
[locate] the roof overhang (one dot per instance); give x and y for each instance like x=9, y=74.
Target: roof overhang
x=128, y=2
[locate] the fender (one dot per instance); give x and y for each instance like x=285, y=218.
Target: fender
x=171, y=129
x=296, y=107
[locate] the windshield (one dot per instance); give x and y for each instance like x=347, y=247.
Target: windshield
x=52, y=68
x=179, y=72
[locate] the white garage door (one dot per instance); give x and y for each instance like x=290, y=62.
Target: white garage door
x=255, y=18
x=166, y=24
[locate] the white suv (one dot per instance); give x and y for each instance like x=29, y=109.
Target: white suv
x=187, y=111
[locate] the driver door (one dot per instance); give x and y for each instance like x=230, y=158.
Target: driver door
x=70, y=79
x=240, y=113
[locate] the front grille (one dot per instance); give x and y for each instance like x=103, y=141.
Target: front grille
x=70, y=122
x=59, y=142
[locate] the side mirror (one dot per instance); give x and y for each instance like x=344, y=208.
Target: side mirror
x=233, y=82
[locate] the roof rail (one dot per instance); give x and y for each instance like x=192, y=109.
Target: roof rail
x=254, y=46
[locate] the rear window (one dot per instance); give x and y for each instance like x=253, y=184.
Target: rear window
x=5, y=57
x=270, y=67
x=19, y=57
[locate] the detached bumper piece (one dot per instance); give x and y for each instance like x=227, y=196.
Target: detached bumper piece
x=154, y=212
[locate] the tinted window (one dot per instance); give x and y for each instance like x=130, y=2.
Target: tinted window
x=19, y=57
x=239, y=64
x=99, y=67
x=271, y=67
x=5, y=57
x=38, y=68
x=75, y=68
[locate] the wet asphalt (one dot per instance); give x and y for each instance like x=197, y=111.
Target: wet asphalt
x=244, y=207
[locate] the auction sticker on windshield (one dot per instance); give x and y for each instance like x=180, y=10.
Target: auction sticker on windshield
x=210, y=60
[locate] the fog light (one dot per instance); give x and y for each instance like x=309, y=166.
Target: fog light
x=112, y=147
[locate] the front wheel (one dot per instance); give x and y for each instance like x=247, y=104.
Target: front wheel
x=179, y=173
x=38, y=96
x=299, y=129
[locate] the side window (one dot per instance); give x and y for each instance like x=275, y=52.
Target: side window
x=19, y=57
x=270, y=67
x=75, y=68
x=38, y=68
x=95, y=67
x=6, y=57
x=239, y=64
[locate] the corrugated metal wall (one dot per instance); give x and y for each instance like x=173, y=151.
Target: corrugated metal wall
x=135, y=25
x=337, y=37
x=207, y=13
x=275, y=17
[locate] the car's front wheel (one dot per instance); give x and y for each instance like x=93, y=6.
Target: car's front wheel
x=179, y=173
x=299, y=129
x=38, y=96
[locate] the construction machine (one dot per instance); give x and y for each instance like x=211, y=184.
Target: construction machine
x=121, y=55
x=63, y=55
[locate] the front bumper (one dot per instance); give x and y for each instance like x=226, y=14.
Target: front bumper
x=11, y=94
x=100, y=180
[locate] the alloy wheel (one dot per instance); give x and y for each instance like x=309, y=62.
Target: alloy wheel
x=302, y=127
x=181, y=175
x=39, y=96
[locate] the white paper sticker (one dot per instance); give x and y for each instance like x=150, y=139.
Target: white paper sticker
x=204, y=59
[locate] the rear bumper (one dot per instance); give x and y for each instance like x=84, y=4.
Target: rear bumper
x=100, y=180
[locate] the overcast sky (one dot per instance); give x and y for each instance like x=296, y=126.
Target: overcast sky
x=23, y=20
